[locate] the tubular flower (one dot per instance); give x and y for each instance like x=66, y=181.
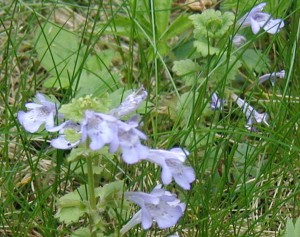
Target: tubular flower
x=129, y=141
x=172, y=163
x=62, y=142
x=216, y=102
x=258, y=19
x=272, y=76
x=160, y=206
x=39, y=113
x=252, y=115
x=100, y=128
x=131, y=103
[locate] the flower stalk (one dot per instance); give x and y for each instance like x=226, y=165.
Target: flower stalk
x=91, y=194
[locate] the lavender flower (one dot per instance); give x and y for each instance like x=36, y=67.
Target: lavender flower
x=272, y=76
x=160, y=206
x=131, y=103
x=129, y=141
x=258, y=19
x=252, y=115
x=238, y=40
x=216, y=102
x=61, y=141
x=173, y=167
x=100, y=128
x=39, y=113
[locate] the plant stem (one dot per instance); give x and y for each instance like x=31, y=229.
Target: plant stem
x=91, y=193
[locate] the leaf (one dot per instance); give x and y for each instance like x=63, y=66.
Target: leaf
x=71, y=206
x=255, y=60
x=162, y=15
x=185, y=67
x=181, y=24
x=120, y=25
x=205, y=49
x=101, y=61
x=81, y=232
x=97, y=83
x=226, y=70
x=187, y=70
x=292, y=230
x=58, y=52
x=211, y=24
x=109, y=191
x=185, y=105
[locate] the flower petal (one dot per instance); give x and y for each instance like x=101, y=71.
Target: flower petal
x=273, y=26
x=254, y=26
x=61, y=143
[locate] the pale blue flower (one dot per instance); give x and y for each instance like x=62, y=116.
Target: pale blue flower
x=258, y=19
x=172, y=163
x=129, y=141
x=216, y=102
x=101, y=129
x=61, y=141
x=239, y=40
x=160, y=206
x=131, y=103
x=253, y=117
x=39, y=113
x=272, y=77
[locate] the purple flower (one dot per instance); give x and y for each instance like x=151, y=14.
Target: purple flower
x=238, y=40
x=272, y=76
x=216, y=102
x=129, y=141
x=173, y=167
x=131, y=103
x=100, y=128
x=39, y=113
x=160, y=206
x=61, y=141
x=258, y=19
x=253, y=117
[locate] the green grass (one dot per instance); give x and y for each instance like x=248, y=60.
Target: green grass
x=247, y=182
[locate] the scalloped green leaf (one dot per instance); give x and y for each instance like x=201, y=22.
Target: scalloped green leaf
x=211, y=23
x=187, y=70
x=185, y=67
x=205, y=49
x=72, y=206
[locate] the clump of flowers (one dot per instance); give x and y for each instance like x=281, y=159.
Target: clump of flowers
x=96, y=126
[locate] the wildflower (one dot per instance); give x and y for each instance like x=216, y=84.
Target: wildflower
x=238, y=40
x=216, y=102
x=131, y=103
x=258, y=19
x=160, y=206
x=100, y=128
x=39, y=113
x=62, y=142
x=172, y=166
x=253, y=117
x=129, y=142
x=271, y=76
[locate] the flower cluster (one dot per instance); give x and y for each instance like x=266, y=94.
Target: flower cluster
x=257, y=20
x=96, y=130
